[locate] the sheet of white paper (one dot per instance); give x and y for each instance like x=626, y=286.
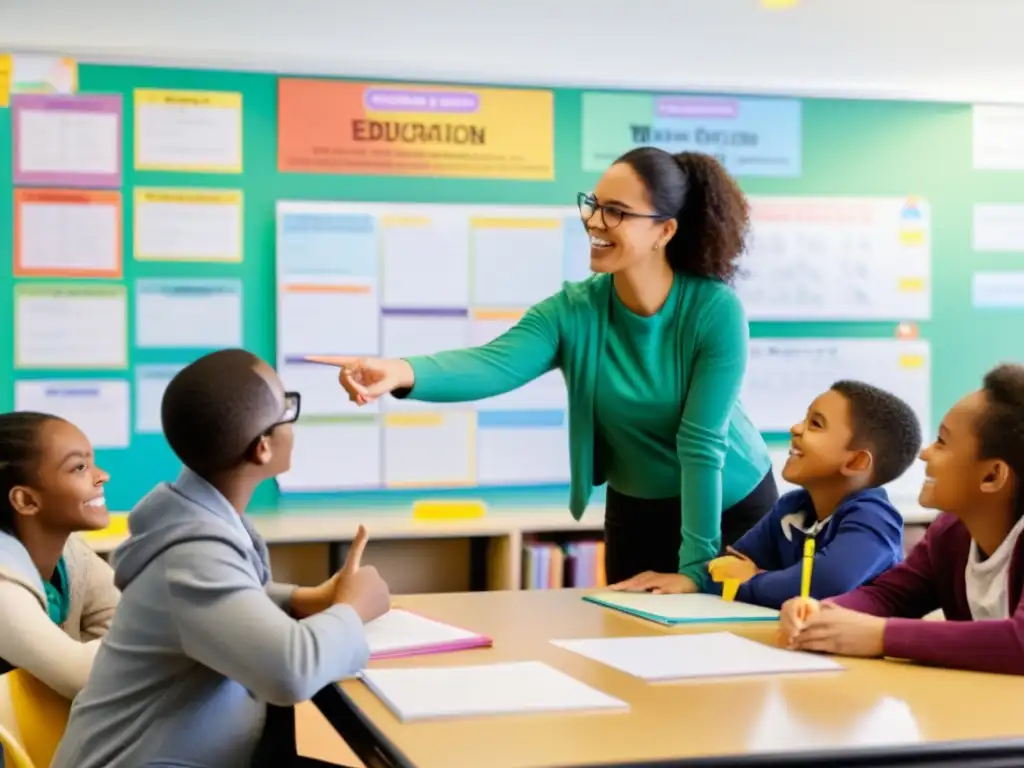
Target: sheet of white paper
x=188, y=225
x=150, y=383
x=520, y=447
x=69, y=142
x=821, y=258
x=681, y=657
x=399, y=630
x=429, y=448
x=683, y=608
x=999, y=228
x=328, y=322
x=98, y=407
x=189, y=135
x=334, y=455
x=518, y=264
x=42, y=72
x=405, y=335
x=997, y=290
x=425, y=261
x=998, y=137
x=785, y=375
x=64, y=236
x=190, y=314
x=70, y=327
x=522, y=687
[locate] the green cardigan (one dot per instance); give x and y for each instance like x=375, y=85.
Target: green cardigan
x=722, y=456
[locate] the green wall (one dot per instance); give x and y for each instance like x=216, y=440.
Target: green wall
x=858, y=148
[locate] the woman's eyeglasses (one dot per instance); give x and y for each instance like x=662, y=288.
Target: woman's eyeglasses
x=611, y=215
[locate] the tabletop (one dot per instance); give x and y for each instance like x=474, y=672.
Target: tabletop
x=872, y=704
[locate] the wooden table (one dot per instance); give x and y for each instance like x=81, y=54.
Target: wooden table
x=886, y=708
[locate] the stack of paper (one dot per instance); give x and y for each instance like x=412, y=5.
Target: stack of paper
x=679, y=657
x=401, y=633
x=522, y=687
x=682, y=609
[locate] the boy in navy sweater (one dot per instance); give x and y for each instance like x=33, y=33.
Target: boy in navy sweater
x=854, y=439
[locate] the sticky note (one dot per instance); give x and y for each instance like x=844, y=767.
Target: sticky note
x=6, y=73
x=448, y=510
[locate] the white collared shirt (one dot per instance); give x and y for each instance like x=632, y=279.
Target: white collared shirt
x=988, y=581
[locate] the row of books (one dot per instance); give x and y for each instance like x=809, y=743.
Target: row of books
x=550, y=565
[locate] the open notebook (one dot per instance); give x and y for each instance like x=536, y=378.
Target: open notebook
x=682, y=609
x=403, y=633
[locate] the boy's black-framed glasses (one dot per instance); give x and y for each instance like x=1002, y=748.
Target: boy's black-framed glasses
x=611, y=215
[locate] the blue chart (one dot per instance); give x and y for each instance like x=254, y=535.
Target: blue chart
x=399, y=280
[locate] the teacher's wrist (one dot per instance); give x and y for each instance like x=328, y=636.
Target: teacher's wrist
x=405, y=374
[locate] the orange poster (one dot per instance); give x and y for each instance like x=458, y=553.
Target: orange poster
x=67, y=233
x=331, y=126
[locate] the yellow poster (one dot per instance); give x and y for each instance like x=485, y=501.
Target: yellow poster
x=6, y=65
x=188, y=131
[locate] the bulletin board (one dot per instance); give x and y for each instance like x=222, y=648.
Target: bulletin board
x=888, y=244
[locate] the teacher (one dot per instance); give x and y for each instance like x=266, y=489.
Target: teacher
x=653, y=349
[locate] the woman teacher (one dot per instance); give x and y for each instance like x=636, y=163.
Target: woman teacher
x=653, y=349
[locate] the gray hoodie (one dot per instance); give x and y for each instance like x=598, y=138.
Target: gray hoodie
x=200, y=643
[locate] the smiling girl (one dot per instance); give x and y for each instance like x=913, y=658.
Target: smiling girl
x=57, y=596
x=970, y=563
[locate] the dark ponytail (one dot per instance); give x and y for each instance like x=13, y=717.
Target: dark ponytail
x=19, y=450
x=710, y=208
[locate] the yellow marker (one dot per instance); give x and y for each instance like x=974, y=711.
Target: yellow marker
x=805, y=581
x=118, y=526
x=729, y=589
x=448, y=510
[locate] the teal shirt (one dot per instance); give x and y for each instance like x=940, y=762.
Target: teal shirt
x=707, y=450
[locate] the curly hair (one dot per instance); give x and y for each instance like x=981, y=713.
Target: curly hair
x=1001, y=429
x=885, y=424
x=711, y=211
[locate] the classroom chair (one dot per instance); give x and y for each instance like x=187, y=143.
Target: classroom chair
x=34, y=717
x=11, y=753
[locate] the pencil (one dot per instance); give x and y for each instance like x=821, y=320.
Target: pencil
x=805, y=581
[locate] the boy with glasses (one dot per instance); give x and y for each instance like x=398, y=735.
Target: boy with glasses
x=203, y=639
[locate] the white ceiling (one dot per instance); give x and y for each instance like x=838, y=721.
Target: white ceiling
x=931, y=49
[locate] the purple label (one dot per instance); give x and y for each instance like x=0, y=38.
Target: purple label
x=388, y=100
x=677, y=106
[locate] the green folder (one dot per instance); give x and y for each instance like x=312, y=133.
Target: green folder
x=672, y=610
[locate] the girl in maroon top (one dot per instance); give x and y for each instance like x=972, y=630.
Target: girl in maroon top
x=970, y=563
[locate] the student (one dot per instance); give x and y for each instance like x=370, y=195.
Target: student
x=653, y=349
x=970, y=563
x=854, y=439
x=57, y=596
x=203, y=639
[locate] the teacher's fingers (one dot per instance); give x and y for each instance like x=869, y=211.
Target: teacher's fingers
x=638, y=583
x=339, y=361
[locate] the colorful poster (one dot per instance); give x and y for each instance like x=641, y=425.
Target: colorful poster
x=6, y=73
x=67, y=233
x=73, y=325
x=188, y=224
x=43, y=73
x=193, y=131
x=837, y=258
x=396, y=129
x=751, y=136
x=67, y=141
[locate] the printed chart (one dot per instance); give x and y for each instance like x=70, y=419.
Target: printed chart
x=785, y=375
x=832, y=258
x=398, y=280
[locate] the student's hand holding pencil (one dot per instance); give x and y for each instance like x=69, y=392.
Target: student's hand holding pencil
x=793, y=617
